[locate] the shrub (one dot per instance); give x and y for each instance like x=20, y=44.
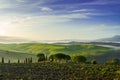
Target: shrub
x=93, y=62
x=113, y=61
x=79, y=59
x=41, y=57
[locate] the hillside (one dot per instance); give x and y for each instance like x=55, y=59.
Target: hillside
x=91, y=51
x=34, y=48
x=14, y=56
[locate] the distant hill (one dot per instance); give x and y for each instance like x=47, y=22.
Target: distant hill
x=114, y=39
x=9, y=39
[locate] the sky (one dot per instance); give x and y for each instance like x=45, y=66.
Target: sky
x=60, y=19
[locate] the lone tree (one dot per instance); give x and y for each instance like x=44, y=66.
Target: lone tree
x=41, y=57
x=81, y=59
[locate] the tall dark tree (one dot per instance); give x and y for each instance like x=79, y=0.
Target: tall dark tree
x=51, y=58
x=2, y=59
x=31, y=60
x=18, y=61
x=9, y=61
x=26, y=60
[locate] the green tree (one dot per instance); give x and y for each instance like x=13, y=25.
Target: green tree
x=31, y=60
x=18, y=61
x=79, y=59
x=51, y=58
x=113, y=61
x=8, y=61
x=41, y=57
x=59, y=56
x=26, y=60
x=93, y=62
x=2, y=59
x=67, y=57
x=46, y=52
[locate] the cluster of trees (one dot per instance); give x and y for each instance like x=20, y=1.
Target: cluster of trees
x=61, y=57
x=78, y=58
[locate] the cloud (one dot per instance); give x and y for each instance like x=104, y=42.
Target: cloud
x=47, y=19
x=20, y=0
x=6, y=4
x=45, y=9
x=102, y=2
x=83, y=10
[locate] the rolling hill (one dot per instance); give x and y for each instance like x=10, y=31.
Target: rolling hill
x=34, y=48
x=89, y=50
x=71, y=49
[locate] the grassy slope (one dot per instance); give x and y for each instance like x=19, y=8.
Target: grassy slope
x=14, y=56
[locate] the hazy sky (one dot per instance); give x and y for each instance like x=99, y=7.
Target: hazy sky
x=60, y=19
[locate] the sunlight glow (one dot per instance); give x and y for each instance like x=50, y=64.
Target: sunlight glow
x=3, y=29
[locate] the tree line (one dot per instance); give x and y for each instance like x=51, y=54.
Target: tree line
x=27, y=60
x=60, y=57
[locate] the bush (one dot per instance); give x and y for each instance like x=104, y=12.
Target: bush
x=93, y=62
x=79, y=59
x=113, y=61
x=41, y=57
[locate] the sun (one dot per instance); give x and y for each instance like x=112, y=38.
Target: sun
x=2, y=33
x=3, y=30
